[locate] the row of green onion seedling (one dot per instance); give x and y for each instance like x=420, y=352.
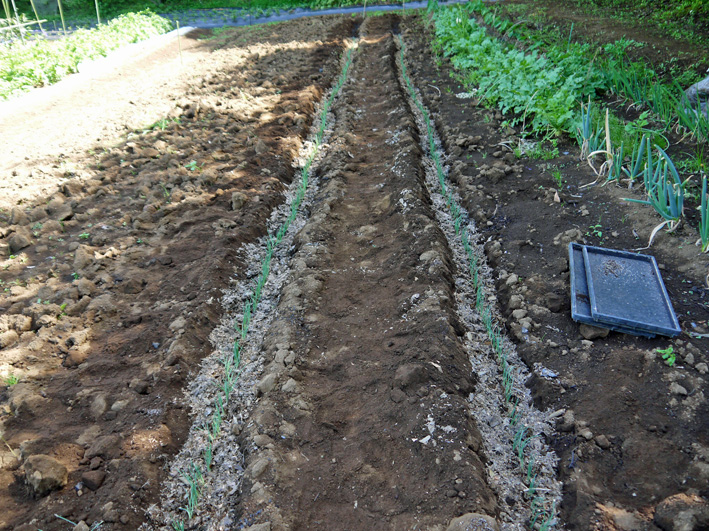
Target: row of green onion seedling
x=194, y=477
x=669, y=103
x=543, y=513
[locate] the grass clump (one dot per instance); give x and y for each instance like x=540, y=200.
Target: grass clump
x=37, y=63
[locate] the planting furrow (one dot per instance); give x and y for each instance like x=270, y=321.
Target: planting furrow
x=363, y=419
x=514, y=431
x=208, y=468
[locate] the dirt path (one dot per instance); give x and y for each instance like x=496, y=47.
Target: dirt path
x=46, y=130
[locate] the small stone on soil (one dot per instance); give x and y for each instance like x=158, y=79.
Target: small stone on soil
x=8, y=339
x=479, y=522
x=398, y=396
x=409, y=375
x=259, y=467
x=267, y=384
x=603, y=442
x=139, y=386
x=682, y=512
x=238, y=200
x=567, y=422
x=18, y=241
x=519, y=314
x=259, y=527
x=586, y=434
x=554, y=302
x=593, y=332
x=677, y=389
x=93, y=479
x=45, y=474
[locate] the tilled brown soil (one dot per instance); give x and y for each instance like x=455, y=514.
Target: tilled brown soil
x=367, y=414
x=632, y=433
x=111, y=285
x=375, y=341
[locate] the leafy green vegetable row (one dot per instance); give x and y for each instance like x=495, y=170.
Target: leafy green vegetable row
x=40, y=62
x=611, y=70
x=528, y=84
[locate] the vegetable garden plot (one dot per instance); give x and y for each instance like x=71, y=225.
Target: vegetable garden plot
x=386, y=401
x=623, y=418
x=108, y=303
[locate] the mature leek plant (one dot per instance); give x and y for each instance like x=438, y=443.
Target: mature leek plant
x=665, y=190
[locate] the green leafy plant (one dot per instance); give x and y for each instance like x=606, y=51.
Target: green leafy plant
x=636, y=170
x=164, y=123
x=665, y=190
x=588, y=140
x=11, y=380
x=193, y=166
x=84, y=236
x=668, y=355
x=558, y=178
x=165, y=193
x=539, y=89
x=26, y=64
x=595, y=230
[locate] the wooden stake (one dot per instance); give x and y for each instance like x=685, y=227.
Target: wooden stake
x=19, y=22
x=37, y=16
x=8, y=28
x=6, y=7
x=61, y=14
x=179, y=43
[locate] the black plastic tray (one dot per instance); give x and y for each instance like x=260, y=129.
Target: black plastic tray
x=627, y=289
x=580, y=298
